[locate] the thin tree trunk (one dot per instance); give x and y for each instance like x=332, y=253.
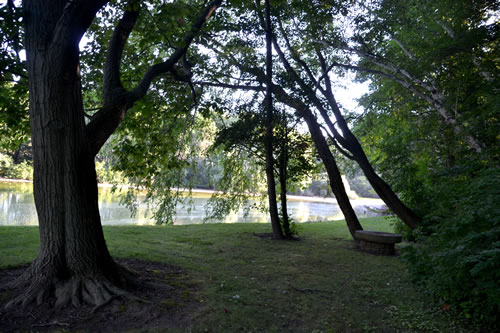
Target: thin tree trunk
x=321, y=145
x=385, y=193
x=324, y=151
x=283, y=187
x=271, y=185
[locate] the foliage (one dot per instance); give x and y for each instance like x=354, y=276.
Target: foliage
x=163, y=150
x=360, y=185
x=240, y=184
x=451, y=74
x=5, y=164
x=243, y=137
x=294, y=226
x=418, y=125
x=9, y=169
x=106, y=163
x=459, y=261
x=23, y=170
x=106, y=174
x=14, y=122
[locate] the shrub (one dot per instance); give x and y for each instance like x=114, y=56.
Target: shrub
x=106, y=174
x=22, y=170
x=15, y=171
x=458, y=260
x=5, y=164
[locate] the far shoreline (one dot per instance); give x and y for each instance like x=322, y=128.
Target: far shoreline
x=359, y=201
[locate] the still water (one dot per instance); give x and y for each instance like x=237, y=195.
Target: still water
x=17, y=208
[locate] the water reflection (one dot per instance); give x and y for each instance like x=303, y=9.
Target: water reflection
x=17, y=208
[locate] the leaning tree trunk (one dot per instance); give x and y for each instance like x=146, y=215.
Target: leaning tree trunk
x=74, y=264
x=386, y=193
x=333, y=173
x=349, y=141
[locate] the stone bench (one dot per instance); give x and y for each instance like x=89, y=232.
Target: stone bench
x=377, y=242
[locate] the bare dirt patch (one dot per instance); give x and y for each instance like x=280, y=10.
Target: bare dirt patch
x=173, y=302
x=270, y=236
x=264, y=235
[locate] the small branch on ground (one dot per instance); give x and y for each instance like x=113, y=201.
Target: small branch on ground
x=307, y=290
x=51, y=324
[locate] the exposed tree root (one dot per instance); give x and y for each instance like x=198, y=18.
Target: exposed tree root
x=21, y=281
x=37, y=292
x=96, y=291
x=168, y=306
x=77, y=291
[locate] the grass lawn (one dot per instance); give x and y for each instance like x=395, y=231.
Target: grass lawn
x=318, y=284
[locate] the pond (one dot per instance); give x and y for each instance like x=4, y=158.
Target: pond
x=17, y=208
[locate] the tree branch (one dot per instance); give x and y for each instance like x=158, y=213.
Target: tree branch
x=75, y=19
x=310, y=93
x=228, y=86
x=475, y=60
x=295, y=55
x=117, y=99
x=404, y=49
x=337, y=145
x=326, y=92
x=15, y=38
x=445, y=27
x=434, y=97
x=121, y=33
x=166, y=66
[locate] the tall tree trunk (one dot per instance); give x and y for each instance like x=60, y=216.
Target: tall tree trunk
x=283, y=162
x=271, y=185
x=321, y=145
x=74, y=262
x=383, y=190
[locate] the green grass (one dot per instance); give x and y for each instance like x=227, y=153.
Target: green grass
x=317, y=284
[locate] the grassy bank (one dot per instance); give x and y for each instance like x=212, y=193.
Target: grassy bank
x=249, y=283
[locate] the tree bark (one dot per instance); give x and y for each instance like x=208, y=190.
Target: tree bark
x=347, y=140
x=283, y=163
x=271, y=184
x=426, y=91
x=384, y=191
x=320, y=143
x=73, y=260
